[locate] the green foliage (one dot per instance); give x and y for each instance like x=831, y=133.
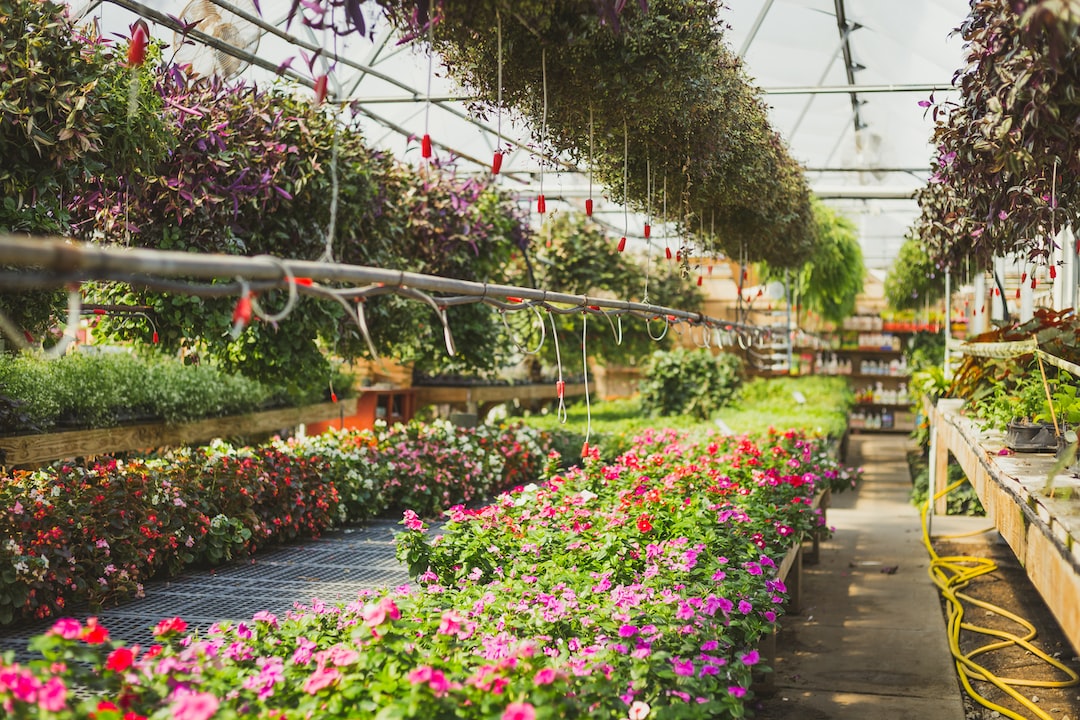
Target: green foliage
x=832, y=277
x=64, y=116
x=765, y=403
x=578, y=258
x=690, y=382
x=103, y=390
x=1006, y=174
x=658, y=91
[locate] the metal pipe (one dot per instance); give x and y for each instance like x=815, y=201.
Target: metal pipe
x=66, y=257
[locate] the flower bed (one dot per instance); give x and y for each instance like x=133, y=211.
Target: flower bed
x=630, y=589
x=95, y=533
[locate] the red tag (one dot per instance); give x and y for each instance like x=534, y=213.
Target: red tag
x=1023, y=276
x=333, y=396
x=99, y=311
x=560, y=389
x=1053, y=272
x=585, y=449
x=320, y=90
x=541, y=206
x=710, y=269
x=242, y=313
x=306, y=282
x=1017, y=293
x=425, y=146
x=648, y=230
x=622, y=244
x=496, y=163
x=667, y=252
x=588, y=207
x=155, y=338
x=1033, y=282
x=137, y=48
x=699, y=280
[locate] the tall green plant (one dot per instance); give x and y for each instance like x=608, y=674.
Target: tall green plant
x=690, y=382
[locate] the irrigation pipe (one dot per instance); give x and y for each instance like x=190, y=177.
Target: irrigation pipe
x=952, y=574
x=67, y=261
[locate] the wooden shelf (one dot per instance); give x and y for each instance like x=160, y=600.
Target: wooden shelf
x=45, y=447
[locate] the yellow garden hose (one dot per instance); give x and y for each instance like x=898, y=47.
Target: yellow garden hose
x=952, y=575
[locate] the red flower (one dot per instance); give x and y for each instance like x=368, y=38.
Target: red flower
x=169, y=626
x=94, y=634
x=643, y=524
x=120, y=659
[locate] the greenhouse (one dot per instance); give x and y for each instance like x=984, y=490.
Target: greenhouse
x=521, y=360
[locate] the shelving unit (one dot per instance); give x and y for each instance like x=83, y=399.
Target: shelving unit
x=872, y=358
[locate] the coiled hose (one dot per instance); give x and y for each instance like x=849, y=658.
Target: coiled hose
x=952, y=575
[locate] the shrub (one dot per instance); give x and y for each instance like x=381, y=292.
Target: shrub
x=689, y=382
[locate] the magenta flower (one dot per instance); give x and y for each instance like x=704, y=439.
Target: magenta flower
x=751, y=658
x=53, y=695
x=745, y=607
x=628, y=631
x=683, y=667
x=194, y=706
x=519, y=711
x=736, y=691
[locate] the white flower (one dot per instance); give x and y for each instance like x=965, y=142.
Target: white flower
x=586, y=496
x=639, y=710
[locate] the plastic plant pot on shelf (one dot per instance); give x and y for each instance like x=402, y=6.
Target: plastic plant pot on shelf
x=1030, y=437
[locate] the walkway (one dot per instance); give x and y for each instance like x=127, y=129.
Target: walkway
x=867, y=644
x=870, y=639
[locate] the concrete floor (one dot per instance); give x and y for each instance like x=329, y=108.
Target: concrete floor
x=869, y=643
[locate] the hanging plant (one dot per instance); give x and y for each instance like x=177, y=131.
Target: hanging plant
x=1007, y=174
x=664, y=77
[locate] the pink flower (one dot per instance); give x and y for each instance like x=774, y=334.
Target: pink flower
x=320, y=679
x=751, y=658
x=519, y=711
x=627, y=631
x=67, y=628
x=195, y=706
x=341, y=655
x=375, y=615
x=544, y=676
x=53, y=695
x=266, y=617
x=736, y=691
x=451, y=623
x=17, y=508
x=412, y=521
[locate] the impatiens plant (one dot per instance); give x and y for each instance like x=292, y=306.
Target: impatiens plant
x=95, y=533
x=627, y=590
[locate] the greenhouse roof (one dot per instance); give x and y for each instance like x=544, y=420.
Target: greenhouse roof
x=843, y=79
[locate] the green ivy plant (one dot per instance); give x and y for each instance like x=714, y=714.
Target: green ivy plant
x=832, y=278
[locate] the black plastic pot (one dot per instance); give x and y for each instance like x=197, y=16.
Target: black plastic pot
x=1030, y=437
